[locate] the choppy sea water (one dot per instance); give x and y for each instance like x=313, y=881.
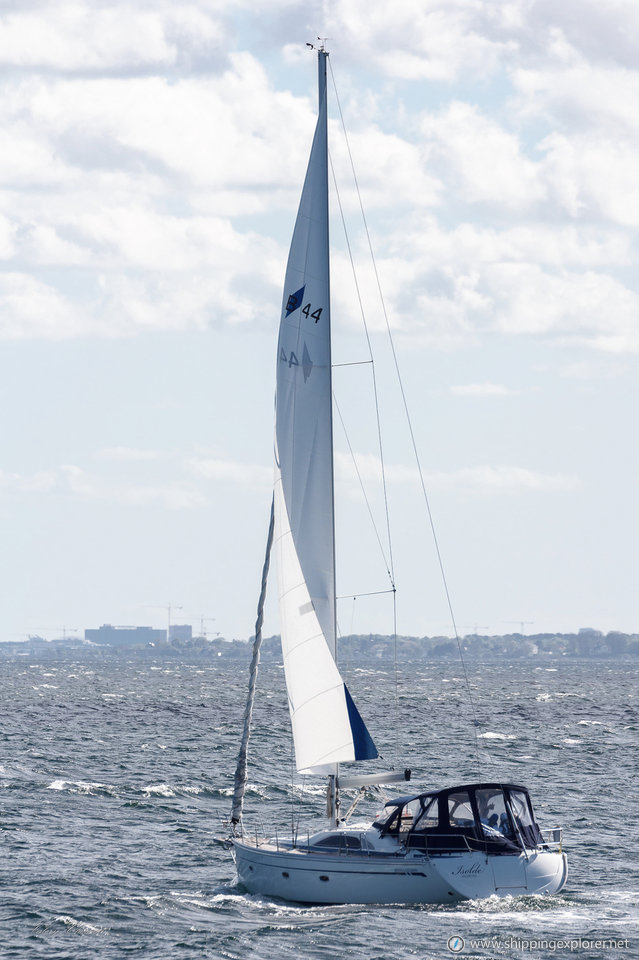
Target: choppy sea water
x=116, y=777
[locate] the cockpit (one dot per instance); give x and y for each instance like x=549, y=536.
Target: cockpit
x=494, y=817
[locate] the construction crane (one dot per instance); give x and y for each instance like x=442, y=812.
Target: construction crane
x=202, y=620
x=522, y=624
x=168, y=607
x=475, y=626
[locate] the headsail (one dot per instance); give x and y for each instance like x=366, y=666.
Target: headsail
x=327, y=728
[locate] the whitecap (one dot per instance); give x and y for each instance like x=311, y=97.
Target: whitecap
x=571, y=740
x=80, y=925
x=81, y=786
x=159, y=790
x=312, y=789
x=496, y=736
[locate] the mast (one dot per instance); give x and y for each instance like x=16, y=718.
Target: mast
x=332, y=788
x=322, y=57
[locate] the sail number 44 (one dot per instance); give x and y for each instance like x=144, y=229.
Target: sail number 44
x=292, y=305
x=292, y=360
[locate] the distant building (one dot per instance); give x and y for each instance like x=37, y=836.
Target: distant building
x=110, y=636
x=181, y=632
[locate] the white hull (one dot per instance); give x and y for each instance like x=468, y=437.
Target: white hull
x=308, y=877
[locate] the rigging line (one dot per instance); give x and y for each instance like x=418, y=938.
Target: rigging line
x=373, y=374
x=409, y=421
x=363, y=489
x=352, y=363
x=356, y=596
x=241, y=770
x=375, y=394
x=292, y=760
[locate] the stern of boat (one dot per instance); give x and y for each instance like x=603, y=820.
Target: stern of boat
x=474, y=875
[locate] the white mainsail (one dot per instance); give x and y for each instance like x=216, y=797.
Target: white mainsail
x=327, y=728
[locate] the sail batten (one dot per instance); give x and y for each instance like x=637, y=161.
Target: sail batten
x=327, y=728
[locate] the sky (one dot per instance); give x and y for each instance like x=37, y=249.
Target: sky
x=151, y=163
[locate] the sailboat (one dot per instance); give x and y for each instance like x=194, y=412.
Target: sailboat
x=438, y=846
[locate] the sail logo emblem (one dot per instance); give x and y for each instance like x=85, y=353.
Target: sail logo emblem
x=307, y=364
x=295, y=300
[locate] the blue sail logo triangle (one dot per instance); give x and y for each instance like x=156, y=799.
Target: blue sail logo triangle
x=295, y=300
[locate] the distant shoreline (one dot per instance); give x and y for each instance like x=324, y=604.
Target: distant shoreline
x=587, y=643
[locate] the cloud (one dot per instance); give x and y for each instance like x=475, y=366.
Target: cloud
x=591, y=308
x=484, y=161
x=88, y=37
x=482, y=390
x=593, y=176
x=70, y=480
x=448, y=41
x=131, y=454
x=30, y=308
x=600, y=32
x=191, y=487
x=152, y=170
x=231, y=471
x=425, y=39
x=481, y=479
x=502, y=479
x=595, y=369
x=448, y=287
x=38, y=483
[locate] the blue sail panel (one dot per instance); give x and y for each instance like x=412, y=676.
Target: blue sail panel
x=365, y=749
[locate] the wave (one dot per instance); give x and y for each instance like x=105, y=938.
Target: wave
x=80, y=925
x=85, y=787
x=77, y=926
x=158, y=790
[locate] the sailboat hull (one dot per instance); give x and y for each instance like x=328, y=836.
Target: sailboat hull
x=306, y=877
